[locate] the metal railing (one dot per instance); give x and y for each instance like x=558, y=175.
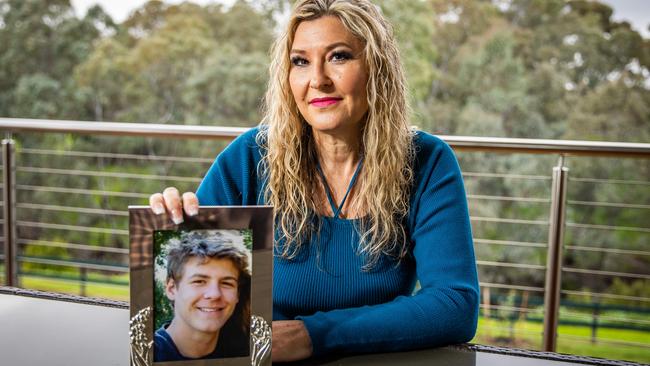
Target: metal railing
x=556, y=201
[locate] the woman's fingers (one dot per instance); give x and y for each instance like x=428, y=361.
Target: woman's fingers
x=172, y=199
x=156, y=203
x=190, y=203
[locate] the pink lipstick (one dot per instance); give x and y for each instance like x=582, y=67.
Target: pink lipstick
x=324, y=102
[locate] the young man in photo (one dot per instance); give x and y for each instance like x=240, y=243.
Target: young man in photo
x=208, y=282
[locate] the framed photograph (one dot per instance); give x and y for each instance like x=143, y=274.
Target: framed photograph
x=201, y=291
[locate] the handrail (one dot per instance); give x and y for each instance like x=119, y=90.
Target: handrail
x=545, y=146
x=121, y=128
x=494, y=144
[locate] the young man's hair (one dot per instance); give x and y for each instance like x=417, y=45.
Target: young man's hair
x=214, y=246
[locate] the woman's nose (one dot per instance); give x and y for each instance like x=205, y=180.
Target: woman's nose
x=319, y=77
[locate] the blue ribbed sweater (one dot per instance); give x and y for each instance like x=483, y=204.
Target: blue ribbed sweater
x=348, y=310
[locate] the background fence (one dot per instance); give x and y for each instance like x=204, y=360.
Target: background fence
x=71, y=183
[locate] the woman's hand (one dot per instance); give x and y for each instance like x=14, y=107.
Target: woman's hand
x=171, y=201
x=291, y=341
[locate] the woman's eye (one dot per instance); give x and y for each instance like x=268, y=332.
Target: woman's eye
x=298, y=61
x=341, y=56
x=198, y=282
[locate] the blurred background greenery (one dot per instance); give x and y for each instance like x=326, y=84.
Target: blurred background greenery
x=542, y=69
x=554, y=69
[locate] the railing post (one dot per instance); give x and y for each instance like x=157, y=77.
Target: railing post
x=554, y=256
x=9, y=211
x=83, y=277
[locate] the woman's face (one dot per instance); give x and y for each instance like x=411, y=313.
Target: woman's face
x=328, y=75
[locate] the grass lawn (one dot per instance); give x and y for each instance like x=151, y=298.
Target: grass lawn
x=571, y=339
x=107, y=291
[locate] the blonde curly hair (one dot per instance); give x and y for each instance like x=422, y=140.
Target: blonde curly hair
x=289, y=162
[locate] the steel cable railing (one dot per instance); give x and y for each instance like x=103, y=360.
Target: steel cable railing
x=608, y=204
x=93, y=248
x=92, y=192
x=90, y=173
x=114, y=156
x=592, y=295
x=510, y=265
x=607, y=250
x=523, y=244
x=603, y=317
x=511, y=287
x=503, y=198
x=525, y=210
x=98, y=211
x=602, y=341
x=605, y=273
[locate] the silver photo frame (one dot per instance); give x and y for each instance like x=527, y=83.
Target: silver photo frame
x=143, y=226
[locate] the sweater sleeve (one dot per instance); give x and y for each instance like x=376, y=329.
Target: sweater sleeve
x=232, y=178
x=445, y=309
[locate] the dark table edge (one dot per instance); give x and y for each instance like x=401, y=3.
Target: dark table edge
x=63, y=297
x=551, y=356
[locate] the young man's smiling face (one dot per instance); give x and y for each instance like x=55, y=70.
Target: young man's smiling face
x=205, y=296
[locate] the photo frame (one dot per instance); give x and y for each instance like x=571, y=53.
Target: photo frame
x=149, y=234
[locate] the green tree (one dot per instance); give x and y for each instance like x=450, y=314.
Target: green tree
x=42, y=42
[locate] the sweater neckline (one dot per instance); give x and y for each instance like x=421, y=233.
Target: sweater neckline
x=340, y=220
x=336, y=208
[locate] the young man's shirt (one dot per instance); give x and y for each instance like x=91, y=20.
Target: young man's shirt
x=229, y=345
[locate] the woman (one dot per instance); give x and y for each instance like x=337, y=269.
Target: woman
x=364, y=206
